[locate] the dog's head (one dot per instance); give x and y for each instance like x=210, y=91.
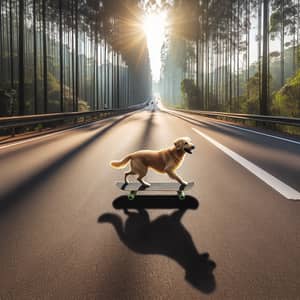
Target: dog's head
x=184, y=144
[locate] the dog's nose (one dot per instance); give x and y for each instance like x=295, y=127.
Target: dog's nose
x=193, y=147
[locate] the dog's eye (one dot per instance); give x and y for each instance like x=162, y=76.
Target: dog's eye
x=185, y=143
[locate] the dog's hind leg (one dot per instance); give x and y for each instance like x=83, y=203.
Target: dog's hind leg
x=141, y=174
x=143, y=182
x=141, y=170
x=130, y=172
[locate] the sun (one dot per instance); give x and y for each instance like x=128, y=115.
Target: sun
x=154, y=26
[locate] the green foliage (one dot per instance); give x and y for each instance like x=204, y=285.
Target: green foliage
x=283, y=13
x=287, y=100
x=250, y=105
x=190, y=93
x=53, y=96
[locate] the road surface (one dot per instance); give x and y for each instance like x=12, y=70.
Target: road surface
x=62, y=239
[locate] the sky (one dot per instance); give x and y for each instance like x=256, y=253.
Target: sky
x=154, y=26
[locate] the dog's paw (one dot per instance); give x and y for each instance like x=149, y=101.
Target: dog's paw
x=184, y=183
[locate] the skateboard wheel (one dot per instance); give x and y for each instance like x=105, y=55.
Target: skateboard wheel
x=131, y=195
x=181, y=195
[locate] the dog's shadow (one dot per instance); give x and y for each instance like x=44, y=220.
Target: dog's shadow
x=165, y=236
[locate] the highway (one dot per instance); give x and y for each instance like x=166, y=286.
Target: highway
x=62, y=239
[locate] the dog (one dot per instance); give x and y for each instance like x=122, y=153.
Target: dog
x=162, y=161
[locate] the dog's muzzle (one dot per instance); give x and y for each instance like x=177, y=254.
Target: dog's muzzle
x=189, y=150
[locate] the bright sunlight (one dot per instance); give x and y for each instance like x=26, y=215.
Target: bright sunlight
x=154, y=26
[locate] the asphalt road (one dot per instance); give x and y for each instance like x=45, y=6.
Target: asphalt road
x=62, y=239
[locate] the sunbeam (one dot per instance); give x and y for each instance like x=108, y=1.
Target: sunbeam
x=154, y=26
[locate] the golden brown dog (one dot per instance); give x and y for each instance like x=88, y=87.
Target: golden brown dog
x=162, y=161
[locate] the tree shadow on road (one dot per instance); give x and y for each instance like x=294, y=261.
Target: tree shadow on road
x=13, y=196
x=165, y=236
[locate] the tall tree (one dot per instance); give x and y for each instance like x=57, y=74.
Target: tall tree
x=35, y=95
x=45, y=64
x=265, y=60
x=76, y=56
x=61, y=57
x=21, y=58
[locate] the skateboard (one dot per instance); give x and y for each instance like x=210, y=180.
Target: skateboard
x=135, y=187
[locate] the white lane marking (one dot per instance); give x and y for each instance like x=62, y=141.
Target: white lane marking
x=279, y=186
x=193, y=121
x=244, y=129
x=261, y=133
x=56, y=133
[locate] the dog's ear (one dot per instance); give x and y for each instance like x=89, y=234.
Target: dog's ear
x=177, y=144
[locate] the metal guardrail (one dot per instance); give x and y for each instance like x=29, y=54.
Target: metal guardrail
x=246, y=117
x=62, y=118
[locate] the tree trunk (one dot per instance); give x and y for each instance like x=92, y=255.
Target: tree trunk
x=118, y=81
x=197, y=63
x=298, y=22
x=105, y=78
x=97, y=66
x=282, y=43
x=11, y=34
x=34, y=60
x=230, y=62
x=259, y=50
x=21, y=58
x=61, y=58
x=238, y=56
x=61, y=67
x=45, y=77
x=76, y=57
x=265, y=60
x=1, y=42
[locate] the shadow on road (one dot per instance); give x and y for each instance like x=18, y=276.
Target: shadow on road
x=155, y=202
x=165, y=236
x=148, y=130
x=12, y=197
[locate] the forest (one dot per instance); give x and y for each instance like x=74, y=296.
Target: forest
x=233, y=56
x=71, y=55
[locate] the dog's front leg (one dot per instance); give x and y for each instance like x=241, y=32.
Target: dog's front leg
x=173, y=175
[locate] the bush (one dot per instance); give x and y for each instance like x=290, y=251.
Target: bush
x=287, y=100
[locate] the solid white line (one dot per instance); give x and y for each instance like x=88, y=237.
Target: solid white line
x=218, y=124
x=260, y=133
x=55, y=133
x=279, y=186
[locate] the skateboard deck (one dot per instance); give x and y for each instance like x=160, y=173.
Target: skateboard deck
x=156, y=202
x=155, y=186
x=134, y=187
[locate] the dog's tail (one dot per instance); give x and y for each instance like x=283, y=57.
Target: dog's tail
x=119, y=164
